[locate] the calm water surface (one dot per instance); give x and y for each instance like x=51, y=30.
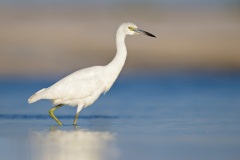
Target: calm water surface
x=177, y=116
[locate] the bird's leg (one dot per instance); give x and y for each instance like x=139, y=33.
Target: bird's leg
x=51, y=113
x=75, y=119
x=79, y=108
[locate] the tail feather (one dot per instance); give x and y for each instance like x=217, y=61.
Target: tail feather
x=37, y=96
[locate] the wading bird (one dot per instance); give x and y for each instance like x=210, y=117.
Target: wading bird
x=83, y=87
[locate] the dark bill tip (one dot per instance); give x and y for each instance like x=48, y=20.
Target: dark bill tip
x=146, y=33
x=149, y=34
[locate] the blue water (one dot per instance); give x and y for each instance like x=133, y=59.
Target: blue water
x=168, y=116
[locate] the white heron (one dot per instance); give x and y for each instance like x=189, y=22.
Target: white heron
x=83, y=87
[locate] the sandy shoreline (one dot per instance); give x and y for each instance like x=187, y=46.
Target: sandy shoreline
x=49, y=40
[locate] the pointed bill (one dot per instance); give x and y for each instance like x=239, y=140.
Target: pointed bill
x=144, y=32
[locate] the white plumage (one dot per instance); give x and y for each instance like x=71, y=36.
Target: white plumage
x=82, y=88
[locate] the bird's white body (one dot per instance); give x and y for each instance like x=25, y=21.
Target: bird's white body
x=82, y=88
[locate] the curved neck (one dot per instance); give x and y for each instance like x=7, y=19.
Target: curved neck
x=118, y=61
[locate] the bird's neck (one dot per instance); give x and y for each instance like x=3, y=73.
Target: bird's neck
x=116, y=65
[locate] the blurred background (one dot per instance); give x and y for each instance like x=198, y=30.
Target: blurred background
x=178, y=94
x=57, y=37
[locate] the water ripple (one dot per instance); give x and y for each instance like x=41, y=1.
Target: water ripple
x=38, y=116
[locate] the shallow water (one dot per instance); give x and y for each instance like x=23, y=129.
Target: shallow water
x=177, y=116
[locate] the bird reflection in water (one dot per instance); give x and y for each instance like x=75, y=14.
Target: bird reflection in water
x=75, y=144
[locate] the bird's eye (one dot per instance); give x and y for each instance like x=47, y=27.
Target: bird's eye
x=131, y=28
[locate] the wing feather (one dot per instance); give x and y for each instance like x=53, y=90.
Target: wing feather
x=77, y=85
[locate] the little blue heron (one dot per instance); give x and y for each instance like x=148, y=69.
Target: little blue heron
x=83, y=87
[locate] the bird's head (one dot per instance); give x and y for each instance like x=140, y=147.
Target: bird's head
x=132, y=29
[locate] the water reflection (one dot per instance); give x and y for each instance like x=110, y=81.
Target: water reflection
x=75, y=144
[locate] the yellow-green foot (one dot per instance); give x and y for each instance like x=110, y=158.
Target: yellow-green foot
x=51, y=113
